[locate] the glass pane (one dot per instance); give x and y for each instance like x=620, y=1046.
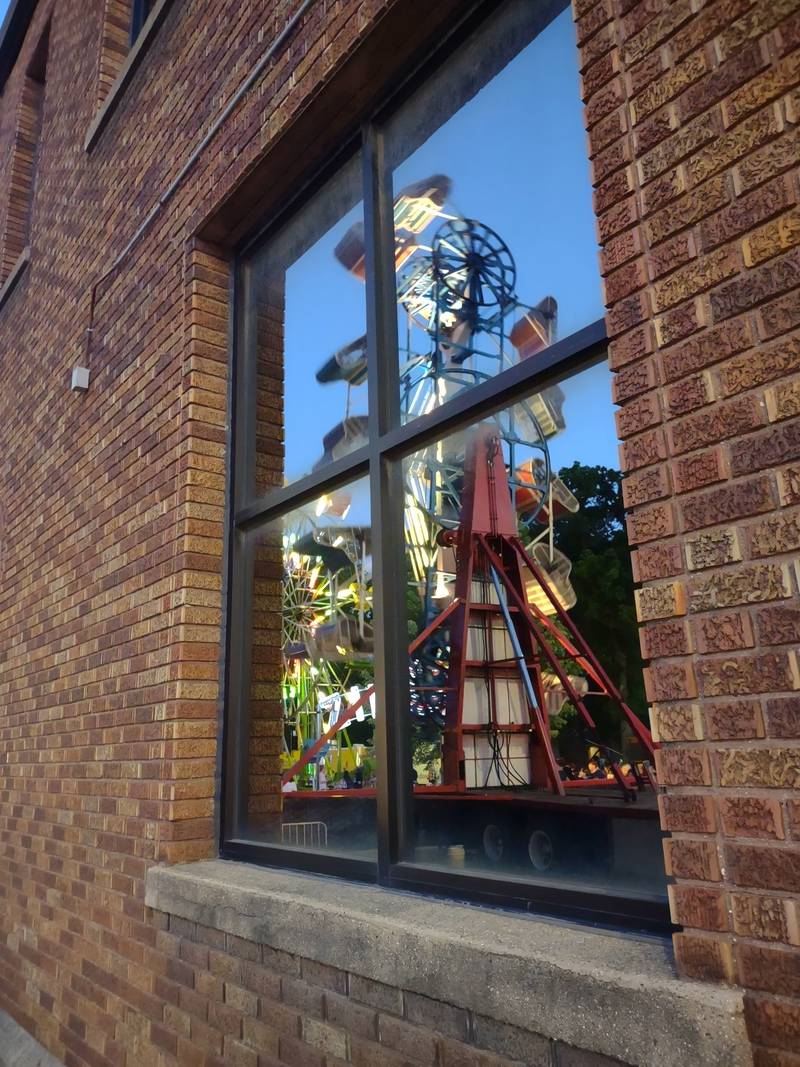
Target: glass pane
x=306, y=344
x=312, y=770
x=495, y=240
x=530, y=751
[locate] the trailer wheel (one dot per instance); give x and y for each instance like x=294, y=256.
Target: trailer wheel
x=540, y=850
x=493, y=841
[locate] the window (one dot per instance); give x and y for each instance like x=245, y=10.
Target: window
x=139, y=14
x=434, y=669
x=25, y=158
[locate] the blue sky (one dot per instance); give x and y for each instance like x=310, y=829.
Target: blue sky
x=517, y=157
x=3, y=9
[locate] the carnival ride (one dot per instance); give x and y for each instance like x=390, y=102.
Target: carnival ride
x=496, y=654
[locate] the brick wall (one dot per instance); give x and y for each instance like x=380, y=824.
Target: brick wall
x=693, y=112
x=112, y=511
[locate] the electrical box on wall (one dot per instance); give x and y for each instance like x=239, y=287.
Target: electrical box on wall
x=80, y=379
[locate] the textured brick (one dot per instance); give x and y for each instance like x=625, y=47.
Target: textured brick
x=779, y=316
x=617, y=251
x=759, y=366
x=770, y=768
x=680, y=322
x=778, y=625
x=768, y=161
x=677, y=722
x=706, y=958
x=671, y=254
x=778, y=533
x=757, y=285
x=765, y=918
x=728, y=503
x=749, y=816
x=725, y=632
x=733, y=720
x=626, y=313
x=775, y=446
x=669, y=681
x=511, y=1041
x=693, y=814
x=695, y=278
x=712, y=346
x=776, y=970
x=764, y=866
x=694, y=860
x=666, y=87
x=698, y=470
x=660, y=601
x=690, y=208
x=634, y=345
x=773, y=1022
x=696, y=906
x=783, y=717
x=745, y=213
x=689, y=394
x=760, y=90
x=735, y=144
x=732, y=418
x=435, y=1015
x=789, y=486
x=783, y=400
x=656, y=30
x=665, y=639
x=633, y=380
x=683, y=766
x=755, y=23
x=677, y=146
x=643, y=450
x=638, y=415
x=410, y=1041
x=721, y=82
x=746, y=585
x=772, y=239
x=612, y=190
x=652, y=483
x=656, y=561
x=651, y=523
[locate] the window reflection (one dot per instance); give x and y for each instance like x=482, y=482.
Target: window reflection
x=529, y=745
x=495, y=246
x=312, y=694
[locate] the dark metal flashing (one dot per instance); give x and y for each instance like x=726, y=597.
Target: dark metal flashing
x=12, y=35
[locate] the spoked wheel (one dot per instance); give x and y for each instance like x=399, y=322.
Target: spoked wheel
x=474, y=265
x=494, y=842
x=540, y=850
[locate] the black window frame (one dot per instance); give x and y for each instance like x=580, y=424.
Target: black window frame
x=381, y=460
x=140, y=12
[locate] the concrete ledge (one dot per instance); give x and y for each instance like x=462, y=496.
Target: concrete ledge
x=611, y=993
x=19, y=1049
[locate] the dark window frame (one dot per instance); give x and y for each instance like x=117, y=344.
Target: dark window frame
x=140, y=12
x=381, y=460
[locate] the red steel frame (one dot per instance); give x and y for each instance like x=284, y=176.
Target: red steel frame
x=487, y=540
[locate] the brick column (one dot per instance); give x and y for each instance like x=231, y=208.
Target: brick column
x=693, y=111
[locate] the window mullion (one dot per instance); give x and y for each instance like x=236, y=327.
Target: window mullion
x=386, y=494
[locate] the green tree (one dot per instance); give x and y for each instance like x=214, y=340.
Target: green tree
x=594, y=539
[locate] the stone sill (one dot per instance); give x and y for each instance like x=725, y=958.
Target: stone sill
x=612, y=993
x=19, y=268
x=129, y=68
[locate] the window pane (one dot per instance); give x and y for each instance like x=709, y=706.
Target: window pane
x=312, y=769
x=306, y=343
x=494, y=228
x=529, y=750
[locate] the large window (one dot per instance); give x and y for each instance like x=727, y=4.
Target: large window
x=434, y=668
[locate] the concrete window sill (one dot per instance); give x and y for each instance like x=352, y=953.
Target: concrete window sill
x=614, y=993
x=11, y=282
x=129, y=68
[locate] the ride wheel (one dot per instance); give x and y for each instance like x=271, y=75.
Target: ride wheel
x=474, y=266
